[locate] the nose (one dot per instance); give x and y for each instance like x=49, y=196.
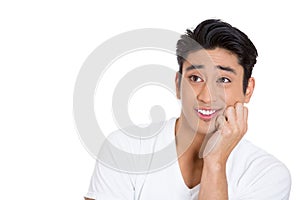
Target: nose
x=207, y=94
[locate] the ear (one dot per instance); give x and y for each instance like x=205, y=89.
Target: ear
x=250, y=89
x=177, y=84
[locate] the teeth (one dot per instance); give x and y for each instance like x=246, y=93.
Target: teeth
x=206, y=112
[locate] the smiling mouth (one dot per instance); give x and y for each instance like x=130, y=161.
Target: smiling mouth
x=206, y=114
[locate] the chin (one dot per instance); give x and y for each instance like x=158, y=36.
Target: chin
x=206, y=128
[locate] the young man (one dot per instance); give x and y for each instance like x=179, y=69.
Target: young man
x=213, y=160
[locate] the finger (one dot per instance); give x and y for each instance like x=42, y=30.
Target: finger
x=239, y=108
x=230, y=115
x=222, y=125
x=220, y=122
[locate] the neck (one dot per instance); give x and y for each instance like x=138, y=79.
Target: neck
x=188, y=142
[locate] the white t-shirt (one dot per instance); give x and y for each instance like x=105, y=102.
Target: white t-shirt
x=251, y=172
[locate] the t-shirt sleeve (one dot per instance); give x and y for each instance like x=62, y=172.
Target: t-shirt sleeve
x=111, y=178
x=265, y=178
x=272, y=183
x=107, y=183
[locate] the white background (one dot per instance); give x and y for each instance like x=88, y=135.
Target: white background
x=43, y=45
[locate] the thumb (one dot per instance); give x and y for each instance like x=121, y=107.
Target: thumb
x=212, y=142
x=220, y=121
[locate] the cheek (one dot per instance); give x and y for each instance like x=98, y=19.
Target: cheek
x=234, y=95
x=188, y=96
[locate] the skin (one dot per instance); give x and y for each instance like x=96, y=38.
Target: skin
x=209, y=86
x=220, y=88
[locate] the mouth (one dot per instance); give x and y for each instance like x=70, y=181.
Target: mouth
x=206, y=113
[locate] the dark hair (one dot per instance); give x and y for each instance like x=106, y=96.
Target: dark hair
x=214, y=33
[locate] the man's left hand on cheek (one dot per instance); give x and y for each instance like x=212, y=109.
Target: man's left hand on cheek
x=231, y=127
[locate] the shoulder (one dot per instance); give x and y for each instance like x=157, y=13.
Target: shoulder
x=249, y=154
x=254, y=171
x=132, y=138
x=130, y=149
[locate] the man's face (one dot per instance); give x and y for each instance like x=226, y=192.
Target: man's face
x=211, y=81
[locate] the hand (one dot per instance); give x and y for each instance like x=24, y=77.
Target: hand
x=231, y=127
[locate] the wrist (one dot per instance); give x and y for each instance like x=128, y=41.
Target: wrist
x=214, y=164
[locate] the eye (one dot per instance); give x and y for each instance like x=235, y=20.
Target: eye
x=224, y=80
x=195, y=78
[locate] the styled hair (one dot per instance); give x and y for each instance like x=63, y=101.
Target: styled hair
x=213, y=33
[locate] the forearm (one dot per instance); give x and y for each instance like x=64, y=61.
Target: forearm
x=213, y=182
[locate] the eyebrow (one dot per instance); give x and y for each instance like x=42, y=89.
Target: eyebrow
x=192, y=67
x=228, y=69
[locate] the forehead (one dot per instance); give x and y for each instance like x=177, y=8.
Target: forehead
x=211, y=58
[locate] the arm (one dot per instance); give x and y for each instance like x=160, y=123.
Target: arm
x=213, y=182
x=231, y=128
